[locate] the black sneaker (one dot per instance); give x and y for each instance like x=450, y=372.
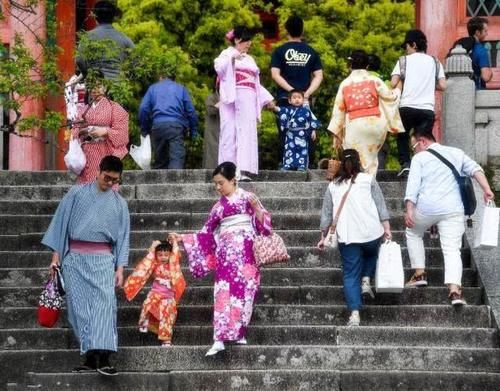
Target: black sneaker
x=83, y=369
x=107, y=371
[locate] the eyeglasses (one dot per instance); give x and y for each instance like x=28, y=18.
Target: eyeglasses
x=110, y=179
x=415, y=145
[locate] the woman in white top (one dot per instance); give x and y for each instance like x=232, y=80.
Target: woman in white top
x=361, y=225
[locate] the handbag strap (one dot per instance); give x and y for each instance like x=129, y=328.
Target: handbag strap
x=445, y=161
x=341, y=206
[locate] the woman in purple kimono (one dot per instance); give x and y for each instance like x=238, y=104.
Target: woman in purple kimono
x=225, y=244
x=241, y=101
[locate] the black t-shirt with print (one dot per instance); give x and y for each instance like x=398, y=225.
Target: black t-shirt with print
x=296, y=61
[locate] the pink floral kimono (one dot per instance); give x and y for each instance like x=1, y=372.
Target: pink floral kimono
x=225, y=244
x=241, y=101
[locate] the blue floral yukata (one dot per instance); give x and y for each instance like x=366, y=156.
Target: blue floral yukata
x=298, y=123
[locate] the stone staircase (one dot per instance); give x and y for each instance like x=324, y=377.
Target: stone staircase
x=297, y=339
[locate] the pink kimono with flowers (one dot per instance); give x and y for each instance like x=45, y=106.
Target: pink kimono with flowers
x=241, y=101
x=225, y=244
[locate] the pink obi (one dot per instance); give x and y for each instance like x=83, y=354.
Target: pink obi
x=82, y=247
x=162, y=290
x=361, y=99
x=245, y=78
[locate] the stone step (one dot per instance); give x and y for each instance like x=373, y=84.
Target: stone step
x=187, y=205
x=185, y=358
x=16, y=224
x=262, y=380
x=191, y=190
x=15, y=178
x=334, y=295
x=305, y=256
x=142, y=239
x=63, y=338
x=283, y=314
x=269, y=276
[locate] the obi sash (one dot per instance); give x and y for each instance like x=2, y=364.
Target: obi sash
x=82, y=247
x=239, y=222
x=163, y=290
x=245, y=78
x=361, y=99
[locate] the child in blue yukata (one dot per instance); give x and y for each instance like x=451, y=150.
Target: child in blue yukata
x=299, y=125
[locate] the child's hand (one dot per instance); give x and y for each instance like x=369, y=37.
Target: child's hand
x=153, y=245
x=174, y=237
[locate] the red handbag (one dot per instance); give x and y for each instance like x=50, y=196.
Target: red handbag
x=269, y=249
x=49, y=304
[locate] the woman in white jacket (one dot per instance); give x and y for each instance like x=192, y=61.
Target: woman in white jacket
x=361, y=225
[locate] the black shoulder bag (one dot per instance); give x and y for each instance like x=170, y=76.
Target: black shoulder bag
x=465, y=185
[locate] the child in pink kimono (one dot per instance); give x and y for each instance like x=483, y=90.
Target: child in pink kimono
x=159, y=310
x=241, y=101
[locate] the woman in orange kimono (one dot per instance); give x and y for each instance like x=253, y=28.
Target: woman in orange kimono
x=365, y=110
x=159, y=310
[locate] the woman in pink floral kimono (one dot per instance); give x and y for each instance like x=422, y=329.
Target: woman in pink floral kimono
x=225, y=244
x=241, y=101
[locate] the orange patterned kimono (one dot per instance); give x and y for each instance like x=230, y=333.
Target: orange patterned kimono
x=159, y=310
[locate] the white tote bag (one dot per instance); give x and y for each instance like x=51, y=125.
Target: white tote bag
x=487, y=232
x=142, y=154
x=389, y=276
x=75, y=159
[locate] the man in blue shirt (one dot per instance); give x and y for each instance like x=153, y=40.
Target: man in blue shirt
x=166, y=112
x=477, y=28
x=433, y=198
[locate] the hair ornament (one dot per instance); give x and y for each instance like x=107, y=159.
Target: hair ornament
x=230, y=35
x=237, y=175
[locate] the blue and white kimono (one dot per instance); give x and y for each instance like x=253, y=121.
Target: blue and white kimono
x=298, y=123
x=88, y=214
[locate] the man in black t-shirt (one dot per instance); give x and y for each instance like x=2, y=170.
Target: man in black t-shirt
x=295, y=66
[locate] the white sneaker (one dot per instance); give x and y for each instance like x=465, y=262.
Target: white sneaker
x=143, y=329
x=242, y=341
x=366, y=288
x=217, y=347
x=354, y=319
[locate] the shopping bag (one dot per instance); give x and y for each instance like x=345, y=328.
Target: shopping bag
x=487, y=233
x=75, y=159
x=142, y=154
x=49, y=304
x=389, y=276
x=269, y=249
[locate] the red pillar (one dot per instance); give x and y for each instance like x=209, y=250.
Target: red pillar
x=438, y=20
x=28, y=153
x=66, y=41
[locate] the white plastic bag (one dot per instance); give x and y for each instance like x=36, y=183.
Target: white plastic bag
x=389, y=276
x=75, y=158
x=142, y=154
x=487, y=232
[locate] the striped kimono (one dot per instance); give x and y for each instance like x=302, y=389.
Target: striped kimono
x=159, y=310
x=104, y=113
x=88, y=214
x=225, y=244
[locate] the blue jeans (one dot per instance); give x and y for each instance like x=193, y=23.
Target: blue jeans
x=168, y=144
x=358, y=260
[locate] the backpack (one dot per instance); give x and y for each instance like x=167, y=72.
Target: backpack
x=402, y=68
